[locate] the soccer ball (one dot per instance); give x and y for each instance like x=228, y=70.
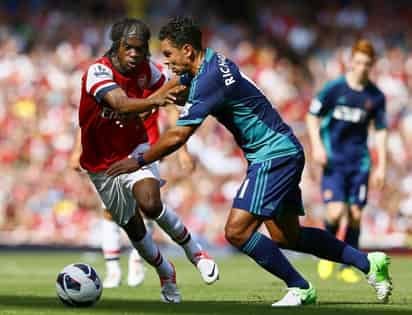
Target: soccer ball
x=78, y=285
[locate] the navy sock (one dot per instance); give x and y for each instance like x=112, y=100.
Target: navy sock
x=352, y=239
x=324, y=245
x=268, y=255
x=332, y=228
x=352, y=236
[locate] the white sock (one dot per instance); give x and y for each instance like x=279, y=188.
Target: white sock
x=150, y=252
x=113, y=266
x=174, y=227
x=135, y=256
x=111, y=244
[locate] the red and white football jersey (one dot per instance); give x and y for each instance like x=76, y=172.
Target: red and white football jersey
x=109, y=136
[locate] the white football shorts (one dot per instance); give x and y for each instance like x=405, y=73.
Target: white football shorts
x=116, y=193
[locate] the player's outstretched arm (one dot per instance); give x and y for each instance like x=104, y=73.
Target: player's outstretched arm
x=168, y=143
x=186, y=161
x=119, y=101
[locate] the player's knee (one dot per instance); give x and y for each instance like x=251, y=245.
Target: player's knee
x=235, y=236
x=151, y=207
x=335, y=212
x=134, y=231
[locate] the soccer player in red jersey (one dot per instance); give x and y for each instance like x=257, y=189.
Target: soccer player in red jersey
x=115, y=90
x=111, y=232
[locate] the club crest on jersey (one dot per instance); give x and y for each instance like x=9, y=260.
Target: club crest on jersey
x=142, y=81
x=368, y=104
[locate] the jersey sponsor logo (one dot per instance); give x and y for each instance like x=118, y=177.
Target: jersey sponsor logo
x=225, y=70
x=185, y=110
x=101, y=71
x=350, y=114
x=109, y=113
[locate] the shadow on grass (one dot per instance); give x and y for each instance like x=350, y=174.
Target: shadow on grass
x=121, y=306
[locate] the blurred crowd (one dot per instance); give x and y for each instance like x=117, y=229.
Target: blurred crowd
x=289, y=50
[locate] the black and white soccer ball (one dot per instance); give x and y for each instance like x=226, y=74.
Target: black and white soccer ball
x=78, y=285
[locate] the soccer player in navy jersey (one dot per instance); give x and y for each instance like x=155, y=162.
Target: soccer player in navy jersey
x=270, y=190
x=338, y=124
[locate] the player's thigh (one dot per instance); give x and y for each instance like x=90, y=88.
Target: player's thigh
x=147, y=195
x=240, y=225
x=334, y=193
x=271, y=190
x=268, y=184
x=144, y=185
x=334, y=187
x=116, y=197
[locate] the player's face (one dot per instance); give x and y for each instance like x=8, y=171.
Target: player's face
x=132, y=52
x=178, y=60
x=361, y=65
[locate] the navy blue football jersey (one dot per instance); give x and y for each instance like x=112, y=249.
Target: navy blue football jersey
x=220, y=89
x=345, y=118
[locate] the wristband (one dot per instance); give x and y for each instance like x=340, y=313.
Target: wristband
x=141, y=160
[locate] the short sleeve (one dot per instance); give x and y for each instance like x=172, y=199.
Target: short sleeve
x=99, y=80
x=206, y=95
x=321, y=104
x=380, y=114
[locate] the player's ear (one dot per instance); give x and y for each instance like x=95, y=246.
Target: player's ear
x=187, y=50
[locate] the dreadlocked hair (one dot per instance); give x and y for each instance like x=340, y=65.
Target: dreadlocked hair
x=128, y=27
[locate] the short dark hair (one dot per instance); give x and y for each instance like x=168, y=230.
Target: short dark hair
x=180, y=31
x=124, y=28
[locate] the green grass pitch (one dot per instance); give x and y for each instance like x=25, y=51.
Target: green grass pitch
x=27, y=286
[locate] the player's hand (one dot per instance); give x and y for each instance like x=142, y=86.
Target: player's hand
x=186, y=161
x=171, y=96
x=127, y=165
x=319, y=155
x=181, y=96
x=378, y=178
